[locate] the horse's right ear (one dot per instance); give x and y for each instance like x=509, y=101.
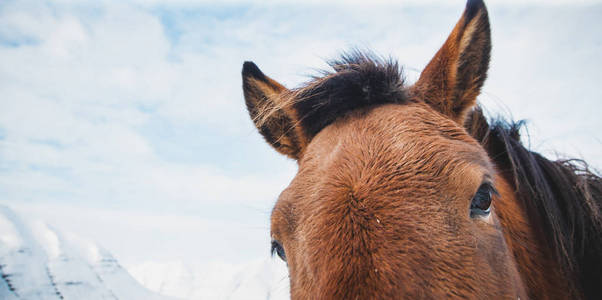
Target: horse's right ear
x=271, y=117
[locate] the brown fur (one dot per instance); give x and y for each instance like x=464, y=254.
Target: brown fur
x=367, y=223
x=561, y=200
x=379, y=208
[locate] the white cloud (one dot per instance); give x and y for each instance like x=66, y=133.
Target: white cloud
x=135, y=237
x=138, y=106
x=77, y=103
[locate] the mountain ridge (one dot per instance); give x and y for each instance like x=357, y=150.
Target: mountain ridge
x=38, y=262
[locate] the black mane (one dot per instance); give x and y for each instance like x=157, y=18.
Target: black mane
x=564, y=197
x=359, y=79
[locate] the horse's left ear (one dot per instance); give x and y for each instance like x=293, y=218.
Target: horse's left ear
x=452, y=80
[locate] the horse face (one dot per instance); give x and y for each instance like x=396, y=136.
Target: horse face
x=392, y=198
x=392, y=202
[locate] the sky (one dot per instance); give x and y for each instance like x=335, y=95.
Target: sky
x=124, y=121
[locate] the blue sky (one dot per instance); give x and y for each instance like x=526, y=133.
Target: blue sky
x=124, y=121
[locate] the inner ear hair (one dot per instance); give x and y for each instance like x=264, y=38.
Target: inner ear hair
x=272, y=119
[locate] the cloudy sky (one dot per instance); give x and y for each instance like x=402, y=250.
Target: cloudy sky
x=124, y=121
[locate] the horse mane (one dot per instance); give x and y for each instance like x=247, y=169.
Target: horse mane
x=358, y=79
x=564, y=196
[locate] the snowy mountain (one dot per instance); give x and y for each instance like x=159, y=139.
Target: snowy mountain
x=39, y=263
x=261, y=279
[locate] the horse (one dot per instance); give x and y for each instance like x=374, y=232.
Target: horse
x=410, y=191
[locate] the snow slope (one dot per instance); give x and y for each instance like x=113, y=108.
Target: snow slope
x=37, y=262
x=261, y=279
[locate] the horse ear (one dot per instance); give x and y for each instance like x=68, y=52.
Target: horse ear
x=271, y=118
x=452, y=80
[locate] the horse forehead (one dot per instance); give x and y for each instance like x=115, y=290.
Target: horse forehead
x=385, y=153
x=392, y=135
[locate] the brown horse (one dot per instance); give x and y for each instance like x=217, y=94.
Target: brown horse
x=409, y=192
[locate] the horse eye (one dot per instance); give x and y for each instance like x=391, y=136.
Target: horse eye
x=481, y=202
x=277, y=249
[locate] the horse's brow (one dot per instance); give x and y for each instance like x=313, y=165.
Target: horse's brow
x=285, y=210
x=483, y=164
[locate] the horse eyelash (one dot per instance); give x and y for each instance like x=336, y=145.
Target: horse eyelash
x=492, y=189
x=273, y=248
x=489, y=183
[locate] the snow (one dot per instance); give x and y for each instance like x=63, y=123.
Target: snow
x=38, y=262
x=266, y=279
x=259, y=279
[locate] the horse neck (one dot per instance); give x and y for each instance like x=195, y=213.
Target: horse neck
x=540, y=273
